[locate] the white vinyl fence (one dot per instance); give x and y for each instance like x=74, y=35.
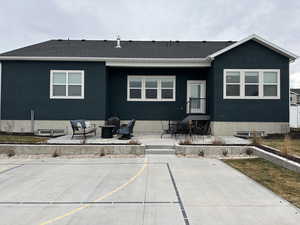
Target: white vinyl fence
x=295, y=116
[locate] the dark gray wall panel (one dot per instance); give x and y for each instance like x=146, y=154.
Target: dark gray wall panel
x=25, y=86
x=251, y=55
x=119, y=106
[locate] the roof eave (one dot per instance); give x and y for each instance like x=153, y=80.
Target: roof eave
x=115, y=61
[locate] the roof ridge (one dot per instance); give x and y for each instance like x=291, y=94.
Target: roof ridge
x=129, y=40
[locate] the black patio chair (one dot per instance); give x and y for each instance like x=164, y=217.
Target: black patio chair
x=170, y=129
x=82, y=128
x=126, y=130
x=113, y=121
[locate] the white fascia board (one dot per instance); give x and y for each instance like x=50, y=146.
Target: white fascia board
x=260, y=40
x=159, y=62
x=129, y=62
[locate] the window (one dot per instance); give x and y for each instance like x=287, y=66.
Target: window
x=168, y=88
x=251, y=84
x=151, y=88
x=67, y=84
x=135, y=91
x=270, y=82
x=233, y=83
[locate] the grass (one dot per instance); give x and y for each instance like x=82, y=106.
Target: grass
x=294, y=145
x=281, y=181
x=21, y=139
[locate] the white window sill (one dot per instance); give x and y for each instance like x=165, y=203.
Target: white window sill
x=249, y=97
x=69, y=97
x=151, y=100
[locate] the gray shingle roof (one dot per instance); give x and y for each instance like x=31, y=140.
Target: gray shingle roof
x=130, y=49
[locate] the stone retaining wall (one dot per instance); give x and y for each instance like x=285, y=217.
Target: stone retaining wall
x=73, y=149
x=211, y=151
x=278, y=160
x=217, y=152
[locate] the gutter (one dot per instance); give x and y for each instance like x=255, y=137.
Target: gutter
x=114, y=61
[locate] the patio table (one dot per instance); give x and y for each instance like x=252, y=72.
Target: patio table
x=107, y=131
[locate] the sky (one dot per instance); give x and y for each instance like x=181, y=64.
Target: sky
x=25, y=22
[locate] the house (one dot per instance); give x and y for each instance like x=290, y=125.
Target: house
x=295, y=96
x=295, y=108
x=237, y=86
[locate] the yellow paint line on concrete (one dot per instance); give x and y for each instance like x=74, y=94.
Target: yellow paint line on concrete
x=17, y=163
x=71, y=212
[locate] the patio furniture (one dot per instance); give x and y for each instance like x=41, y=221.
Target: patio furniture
x=82, y=128
x=115, y=121
x=126, y=130
x=170, y=129
x=107, y=131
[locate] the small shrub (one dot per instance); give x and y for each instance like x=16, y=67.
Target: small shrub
x=249, y=151
x=55, y=154
x=218, y=141
x=134, y=142
x=11, y=153
x=201, y=153
x=225, y=152
x=286, y=145
x=186, y=142
x=102, y=153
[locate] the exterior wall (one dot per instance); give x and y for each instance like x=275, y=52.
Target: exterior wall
x=24, y=126
x=293, y=98
x=26, y=86
x=295, y=116
x=146, y=126
x=230, y=128
x=117, y=97
x=250, y=55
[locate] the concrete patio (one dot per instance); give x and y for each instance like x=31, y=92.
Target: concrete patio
x=155, y=190
x=150, y=139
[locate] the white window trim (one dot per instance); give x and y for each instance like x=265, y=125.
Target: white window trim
x=67, y=97
x=260, y=85
x=143, y=88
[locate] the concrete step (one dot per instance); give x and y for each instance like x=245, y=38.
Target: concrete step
x=160, y=151
x=160, y=146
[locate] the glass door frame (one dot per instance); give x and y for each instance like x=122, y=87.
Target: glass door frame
x=202, y=83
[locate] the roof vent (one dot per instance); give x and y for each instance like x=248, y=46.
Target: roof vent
x=82, y=39
x=204, y=41
x=118, y=42
x=177, y=41
x=153, y=41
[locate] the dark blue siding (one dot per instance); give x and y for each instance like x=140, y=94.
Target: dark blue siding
x=119, y=106
x=25, y=86
x=250, y=55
